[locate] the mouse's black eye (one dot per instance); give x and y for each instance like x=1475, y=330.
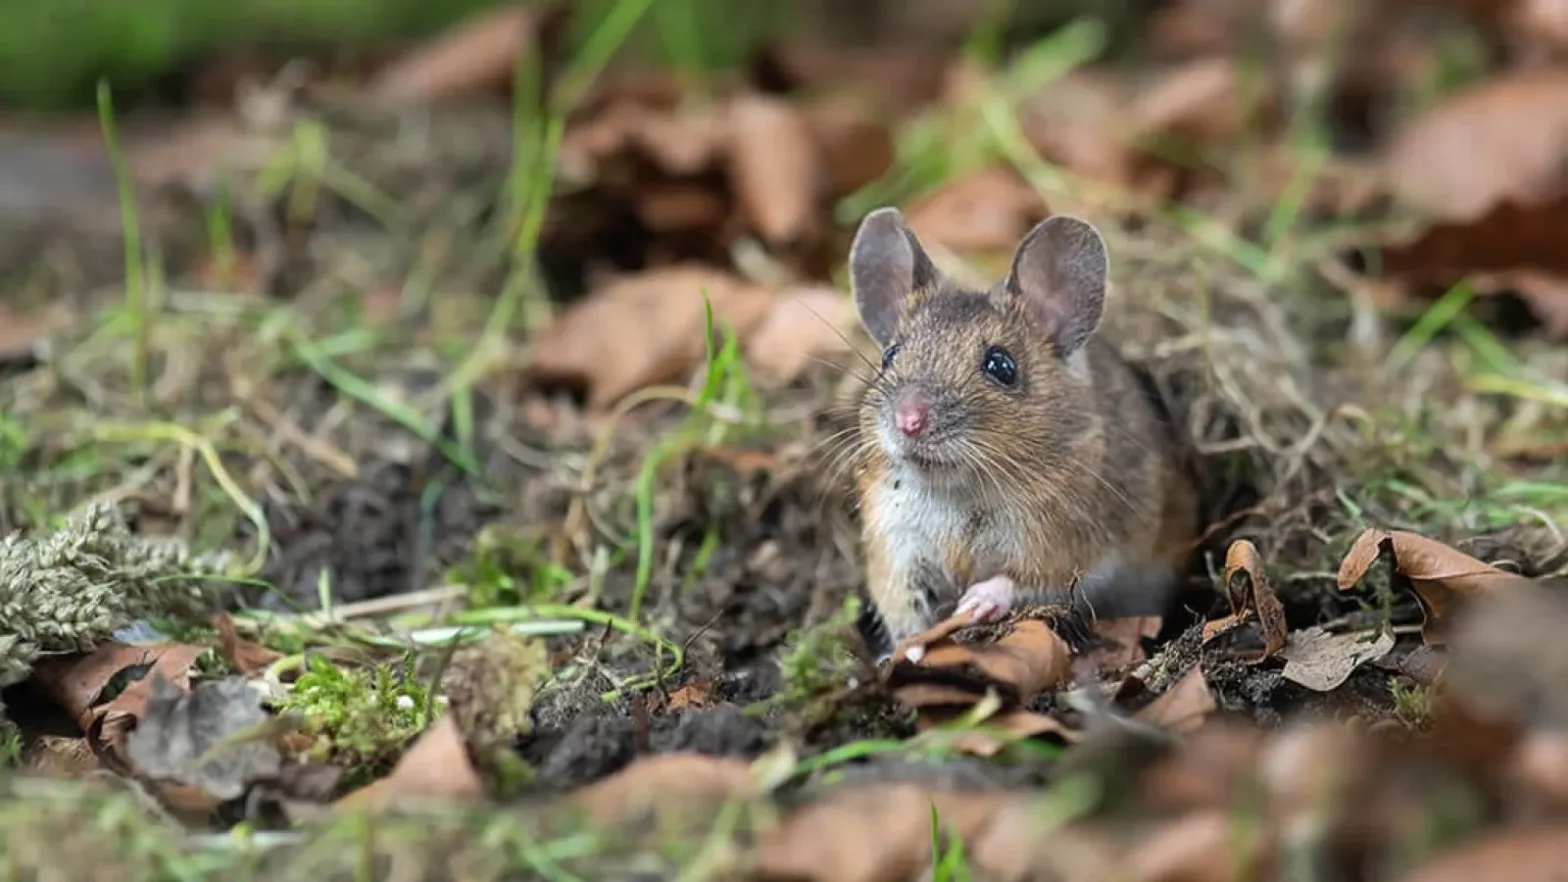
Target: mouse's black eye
x=887, y=356
x=999, y=366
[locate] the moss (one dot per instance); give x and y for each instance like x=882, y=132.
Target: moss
x=361, y=718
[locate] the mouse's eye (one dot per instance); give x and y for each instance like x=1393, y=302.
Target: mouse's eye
x=887, y=356
x=999, y=366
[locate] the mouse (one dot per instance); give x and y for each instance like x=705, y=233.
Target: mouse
x=1006, y=454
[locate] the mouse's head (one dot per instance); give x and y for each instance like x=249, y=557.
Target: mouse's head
x=978, y=383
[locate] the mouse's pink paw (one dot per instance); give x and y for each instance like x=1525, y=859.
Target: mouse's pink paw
x=988, y=601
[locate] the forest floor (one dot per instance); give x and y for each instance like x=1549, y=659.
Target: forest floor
x=519, y=420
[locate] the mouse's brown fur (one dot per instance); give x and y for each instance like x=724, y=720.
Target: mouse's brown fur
x=1070, y=476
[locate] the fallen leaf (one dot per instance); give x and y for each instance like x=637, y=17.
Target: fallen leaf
x=644, y=329
x=1125, y=636
x=665, y=781
x=1200, y=847
x=1247, y=590
x=1530, y=854
x=1200, y=102
x=1024, y=662
x=691, y=696
x=1501, y=140
x=1016, y=722
x=805, y=325
x=77, y=682
x=1081, y=122
x=989, y=210
x=672, y=206
x=872, y=834
x=246, y=656
x=1511, y=248
x=1436, y=572
x=1184, y=706
x=207, y=738
x=479, y=54
x=775, y=168
x=436, y=767
x=1321, y=660
x=856, y=146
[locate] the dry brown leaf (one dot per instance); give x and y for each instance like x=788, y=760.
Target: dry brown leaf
x=1080, y=122
x=878, y=833
x=1437, y=573
x=246, y=656
x=989, y=210
x=77, y=682
x=674, y=206
x=1321, y=660
x=1201, y=847
x=1125, y=637
x=695, y=694
x=1200, y=101
x=1014, y=721
x=1512, y=247
x=662, y=781
x=1184, y=706
x=436, y=767
x=775, y=167
x=477, y=55
x=855, y=145
x=1247, y=589
x=644, y=329
x=1532, y=854
x=1501, y=140
x=804, y=326
x=1210, y=770
x=1026, y=661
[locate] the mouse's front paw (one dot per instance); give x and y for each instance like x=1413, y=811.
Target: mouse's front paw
x=988, y=601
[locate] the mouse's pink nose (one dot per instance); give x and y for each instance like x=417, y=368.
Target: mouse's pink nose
x=912, y=413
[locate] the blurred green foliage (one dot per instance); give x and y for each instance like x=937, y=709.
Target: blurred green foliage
x=52, y=52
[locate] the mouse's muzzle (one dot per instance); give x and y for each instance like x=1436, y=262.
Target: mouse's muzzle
x=912, y=412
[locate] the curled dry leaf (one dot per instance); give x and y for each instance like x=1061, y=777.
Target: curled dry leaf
x=1321, y=660
x=664, y=782
x=478, y=55
x=775, y=167
x=1248, y=592
x=77, y=682
x=644, y=329
x=1438, y=573
x=1184, y=706
x=1501, y=140
x=805, y=325
x=989, y=210
x=436, y=767
x=1531, y=854
x=1028, y=660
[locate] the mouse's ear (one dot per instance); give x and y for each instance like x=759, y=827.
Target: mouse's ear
x=886, y=263
x=1059, y=270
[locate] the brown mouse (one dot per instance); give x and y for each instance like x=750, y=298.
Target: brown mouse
x=1007, y=455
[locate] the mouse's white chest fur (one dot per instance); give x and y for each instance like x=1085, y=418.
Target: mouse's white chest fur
x=921, y=524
